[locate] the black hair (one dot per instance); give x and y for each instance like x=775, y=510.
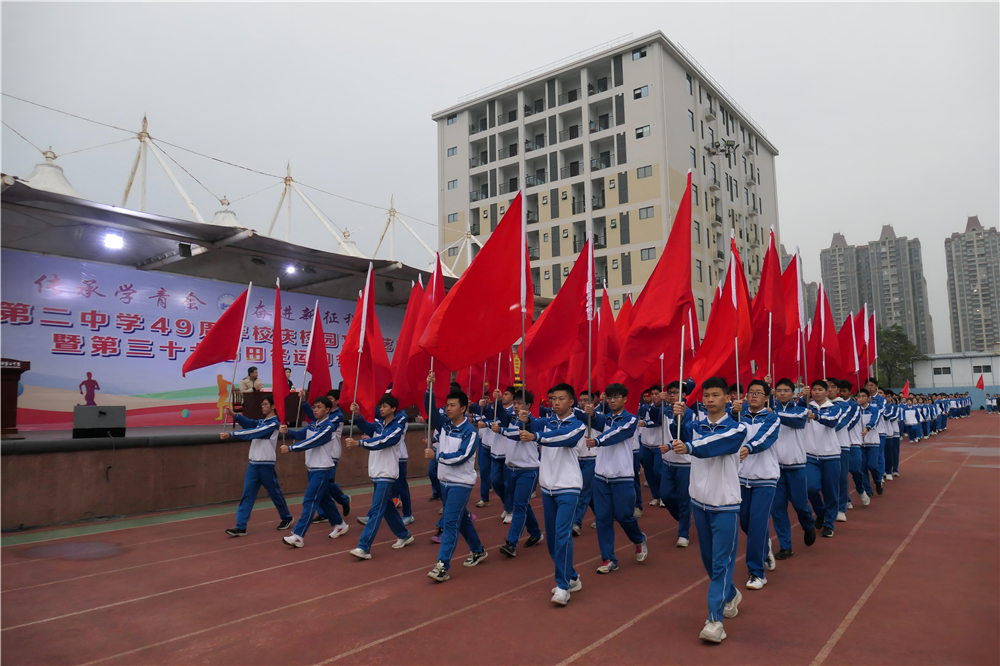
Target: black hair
x=267, y=396
x=455, y=387
x=761, y=383
x=655, y=387
x=846, y=384
x=252, y=369
x=715, y=382
x=528, y=398
x=288, y=369
x=389, y=399
x=325, y=401
x=462, y=398
x=674, y=385
x=871, y=380
x=564, y=387
x=785, y=381
x=591, y=394
x=734, y=388
x=833, y=380
x=552, y=390
x=865, y=391
x=334, y=393
x=511, y=390
x=819, y=382
x=616, y=389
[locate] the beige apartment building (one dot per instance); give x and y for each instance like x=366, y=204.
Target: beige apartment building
x=602, y=146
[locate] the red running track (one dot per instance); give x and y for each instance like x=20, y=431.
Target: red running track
x=911, y=579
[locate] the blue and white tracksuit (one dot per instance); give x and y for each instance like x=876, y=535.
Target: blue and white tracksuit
x=499, y=445
x=823, y=462
x=263, y=437
x=522, y=461
x=716, y=498
x=334, y=490
x=854, y=436
x=383, y=469
x=758, y=475
x=561, y=481
x=893, y=416
x=456, y=450
x=587, y=459
x=675, y=472
x=790, y=448
x=318, y=441
x=650, y=438
x=870, y=418
x=614, y=480
x=843, y=429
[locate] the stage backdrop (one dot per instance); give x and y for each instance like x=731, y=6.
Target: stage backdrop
x=111, y=335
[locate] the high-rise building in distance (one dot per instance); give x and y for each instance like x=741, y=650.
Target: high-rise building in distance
x=973, y=260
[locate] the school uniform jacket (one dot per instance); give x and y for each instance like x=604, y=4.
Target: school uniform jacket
x=456, y=453
x=822, y=442
x=670, y=457
x=790, y=445
x=262, y=435
x=383, y=445
x=870, y=417
x=317, y=440
x=714, y=447
x=614, y=446
x=583, y=452
x=520, y=455
x=558, y=438
x=843, y=426
x=761, y=467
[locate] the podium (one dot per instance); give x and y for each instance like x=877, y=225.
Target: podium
x=10, y=376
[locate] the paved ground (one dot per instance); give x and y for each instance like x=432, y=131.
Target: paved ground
x=914, y=578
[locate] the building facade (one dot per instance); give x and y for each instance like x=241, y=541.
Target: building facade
x=958, y=373
x=888, y=275
x=973, y=261
x=602, y=147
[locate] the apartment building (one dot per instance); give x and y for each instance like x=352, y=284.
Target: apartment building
x=601, y=146
x=973, y=260
x=888, y=275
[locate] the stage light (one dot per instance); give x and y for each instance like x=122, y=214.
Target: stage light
x=290, y=270
x=113, y=241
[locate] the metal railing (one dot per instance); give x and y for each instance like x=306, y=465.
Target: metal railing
x=600, y=241
x=602, y=162
x=510, y=151
x=530, y=216
x=599, y=87
x=574, y=169
x=507, y=187
x=477, y=161
x=476, y=195
x=478, y=127
x=532, y=181
x=570, y=133
x=597, y=202
x=714, y=184
x=569, y=96
x=534, y=145
x=717, y=220
x=533, y=253
x=577, y=246
x=537, y=288
x=602, y=124
x=508, y=117
x=474, y=228
x=720, y=256
x=579, y=207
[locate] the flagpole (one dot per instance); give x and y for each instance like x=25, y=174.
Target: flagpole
x=524, y=295
x=236, y=361
x=361, y=342
x=663, y=389
x=590, y=328
x=430, y=399
x=736, y=339
x=305, y=370
x=769, y=316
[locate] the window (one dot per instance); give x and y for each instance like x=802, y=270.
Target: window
x=711, y=136
x=702, y=129
x=642, y=132
x=745, y=167
x=691, y=118
x=647, y=254
x=644, y=172
x=452, y=251
x=565, y=271
x=545, y=238
x=639, y=93
x=452, y=120
x=694, y=196
x=703, y=167
x=942, y=371
x=618, y=305
x=701, y=309
x=697, y=270
x=690, y=85
x=565, y=233
x=639, y=53
x=746, y=194
x=614, y=264
x=453, y=151
x=694, y=158
x=987, y=369
x=646, y=213
x=697, y=234
x=453, y=217
x=546, y=275
x=452, y=184
x=715, y=175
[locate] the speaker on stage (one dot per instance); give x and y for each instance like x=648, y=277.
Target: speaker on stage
x=102, y=421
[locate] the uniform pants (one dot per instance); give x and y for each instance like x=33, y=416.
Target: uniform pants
x=586, y=498
x=432, y=474
x=718, y=539
x=456, y=520
x=869, y=468
x=637, y=467
x=792, y=488
x=257, y=476
x=317, y=494
x=522, y=484
x=674, y=482
x=401, y=489
x=755, y=508
x=823, y=478
x=485, y=473
x=844, y=489
x=892, y=454
x=856, y=471
x=382, y=508
x=615, y=501
x=652, y=464
x=559, y=511
x=881, y=456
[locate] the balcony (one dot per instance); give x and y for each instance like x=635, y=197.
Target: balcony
x=602, y=123
x=570, y=133
x=600, y=241
x=720, y=257
x=602, y=162
x=530, y=216
x=748, y=149
x=597, y=202
x=478, y=127
x=534, y=145
x=599, y=87
x=477, y=196
x=574, y=169
x=533, y=181
x=508, y=117
x=533, y=253
x=569, y=97
x=474, y=228
x=577, y=246
x=599, y=282
x=709, y=113
x=752, y=212
x=477, y=162
x=714, y=185
x=750, y=179
x=717, y=221
x=579, y=207
x=754, y=242
x=538, y=289
x=509, y=186
x=504, y=153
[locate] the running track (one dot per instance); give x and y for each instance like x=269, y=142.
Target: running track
x=912, y=579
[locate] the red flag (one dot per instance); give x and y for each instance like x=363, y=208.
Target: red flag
x=861, y=339
x=660, y=307
x=222, y=342
x=850, y=365
x=624, y=319
x=728, y=330
x=419, y=363
x=606, y=363
x=788, y=362
x=906, y=388
x=401, y=388
x=363, y=361
x=500, y=370
x=472, y=380
x=767, y=312
x=561, y=330
x=317, y=362
x=981, y=385
x=482, y=314
x=872, y=340
x=824, y=347
x=279, y=384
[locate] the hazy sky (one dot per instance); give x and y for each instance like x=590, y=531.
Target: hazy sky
x=882, y=113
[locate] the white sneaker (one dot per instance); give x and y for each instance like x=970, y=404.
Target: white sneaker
x=637, y=513
x=363, y=520
x=682, y=542
x=294, y=540
x=593, y=525
x=756, y=583
x=769, y=562
x=508, y=519
x=865, y=500
x=574, y=586
x=533, y=494
x=887, y=477
x=361, y=554
x=850, y=505
x=841, y=517
x=713, y=632
x=895, y=473
x=503, y=516
x=654, y=502
x=731, y=609
x=560, y=597
x=339, y=530
x=402, y=543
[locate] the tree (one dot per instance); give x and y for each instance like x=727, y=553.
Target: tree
x=896, y=354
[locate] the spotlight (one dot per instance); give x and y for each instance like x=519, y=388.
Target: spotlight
x=113, y=241
x=290, y=269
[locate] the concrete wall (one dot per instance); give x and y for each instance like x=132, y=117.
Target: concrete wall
x=50, y=488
